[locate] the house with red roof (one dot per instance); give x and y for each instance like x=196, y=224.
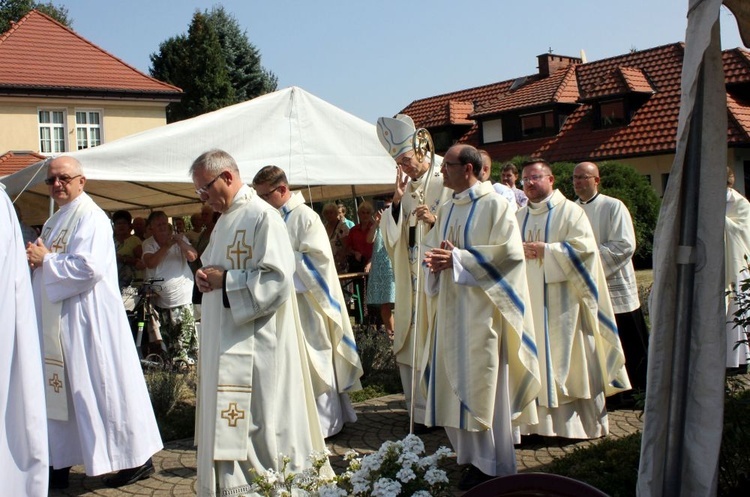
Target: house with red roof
x=60, y=93
x=623, y=108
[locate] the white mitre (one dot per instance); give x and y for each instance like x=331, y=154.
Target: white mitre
x=395, y=134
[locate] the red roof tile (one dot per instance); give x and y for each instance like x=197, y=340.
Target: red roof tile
x=654, y=73
x=559, y=87
x=736, y=66
x=38, y=53
x=10, y=162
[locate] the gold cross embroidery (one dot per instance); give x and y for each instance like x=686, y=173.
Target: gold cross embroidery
x=60, y=243
x=55, y=383
x=238, y=249
x=232, y=414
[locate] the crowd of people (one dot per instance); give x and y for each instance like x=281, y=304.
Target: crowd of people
x=513, y=312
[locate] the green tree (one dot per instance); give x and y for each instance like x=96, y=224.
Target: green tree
x=14, y=10
x=181, y=62
x=249, y=78
x=200, y=71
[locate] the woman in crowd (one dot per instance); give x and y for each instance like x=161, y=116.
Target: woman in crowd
x=381, y=288
x=359, y=249
x=337, y=233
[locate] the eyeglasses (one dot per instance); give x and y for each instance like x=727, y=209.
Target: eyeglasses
x=405, y=161
x=533, y=179
x=582, y=176
x=63, y=179
x=267, y=195
x=446, y=164
x=204, y=189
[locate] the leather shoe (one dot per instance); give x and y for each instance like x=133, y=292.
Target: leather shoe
x=130, y=476
x=420, y=429
x=472, y=477
x=58, y=478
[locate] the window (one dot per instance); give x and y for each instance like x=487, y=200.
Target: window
x=51, y=131
x=542, y=124
x=492, y=131
x=612, y=113
x=88, y=129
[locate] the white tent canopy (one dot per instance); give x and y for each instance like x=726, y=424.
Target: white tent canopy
x=317, y=144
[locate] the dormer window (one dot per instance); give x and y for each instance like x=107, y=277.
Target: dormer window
x=612, y=113
x=538, y=124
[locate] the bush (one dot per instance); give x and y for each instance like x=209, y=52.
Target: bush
x=173, y=400
x=381, y=376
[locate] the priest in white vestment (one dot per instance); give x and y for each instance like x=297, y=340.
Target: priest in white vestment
x=418, y=194
x=255, y=400
x=335, y=366
x=580, y=355
x=98, y=407
x=737, y=258
x=615, y=238
x=481, y=367
x=24, y=456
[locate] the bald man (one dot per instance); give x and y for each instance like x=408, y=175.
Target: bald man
x=484, y=175
x=615, y=238
x=98, y=409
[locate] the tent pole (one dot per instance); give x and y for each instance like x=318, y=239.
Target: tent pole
x=689, y=201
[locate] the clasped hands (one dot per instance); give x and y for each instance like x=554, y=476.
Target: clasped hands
x=534, y=250
x=209, y=278
x=439, y=259
x=35, y=252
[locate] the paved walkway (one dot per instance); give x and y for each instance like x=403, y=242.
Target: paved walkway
x=379, y=420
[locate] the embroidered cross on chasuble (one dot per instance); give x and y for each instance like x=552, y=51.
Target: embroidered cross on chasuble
x=239, y=252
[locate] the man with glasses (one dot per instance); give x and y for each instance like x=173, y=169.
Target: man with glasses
x=335, y=366
x=615, y=237
x=418, y=194
x=580, y=355
x=98, y=407
x=255, y=398
x=481, y=358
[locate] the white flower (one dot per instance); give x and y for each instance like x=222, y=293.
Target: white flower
x=413, y=443
x=407, y=459
x=385, y=487
x=331, y=490
x=421, y=493
x=405, y=475
x=271, y=476
x=350, y=454
x=435, y=476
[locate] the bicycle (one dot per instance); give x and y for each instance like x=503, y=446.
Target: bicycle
x=143, y=319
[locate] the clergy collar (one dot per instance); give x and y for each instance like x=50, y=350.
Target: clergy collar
x=584, y=202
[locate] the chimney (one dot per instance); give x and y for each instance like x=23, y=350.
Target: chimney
x=549, y=63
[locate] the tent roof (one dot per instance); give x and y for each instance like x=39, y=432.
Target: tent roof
x=314, y=142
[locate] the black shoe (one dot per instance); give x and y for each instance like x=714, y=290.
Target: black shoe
x=130, y=476
x=58, y=478
x=420, y=429
x=472, y=477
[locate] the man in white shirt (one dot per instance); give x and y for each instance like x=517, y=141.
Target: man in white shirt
x=255, y=399
x=481, y=356
x=98, y=409
x=580, y=355
x=335, y=366
x=615, y=237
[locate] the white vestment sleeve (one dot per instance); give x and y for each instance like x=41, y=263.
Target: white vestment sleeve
x=260, y=291
x=461, y=275
x=618, y=250
x=68, y=274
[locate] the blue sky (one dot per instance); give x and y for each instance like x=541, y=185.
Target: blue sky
x=372, y=58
